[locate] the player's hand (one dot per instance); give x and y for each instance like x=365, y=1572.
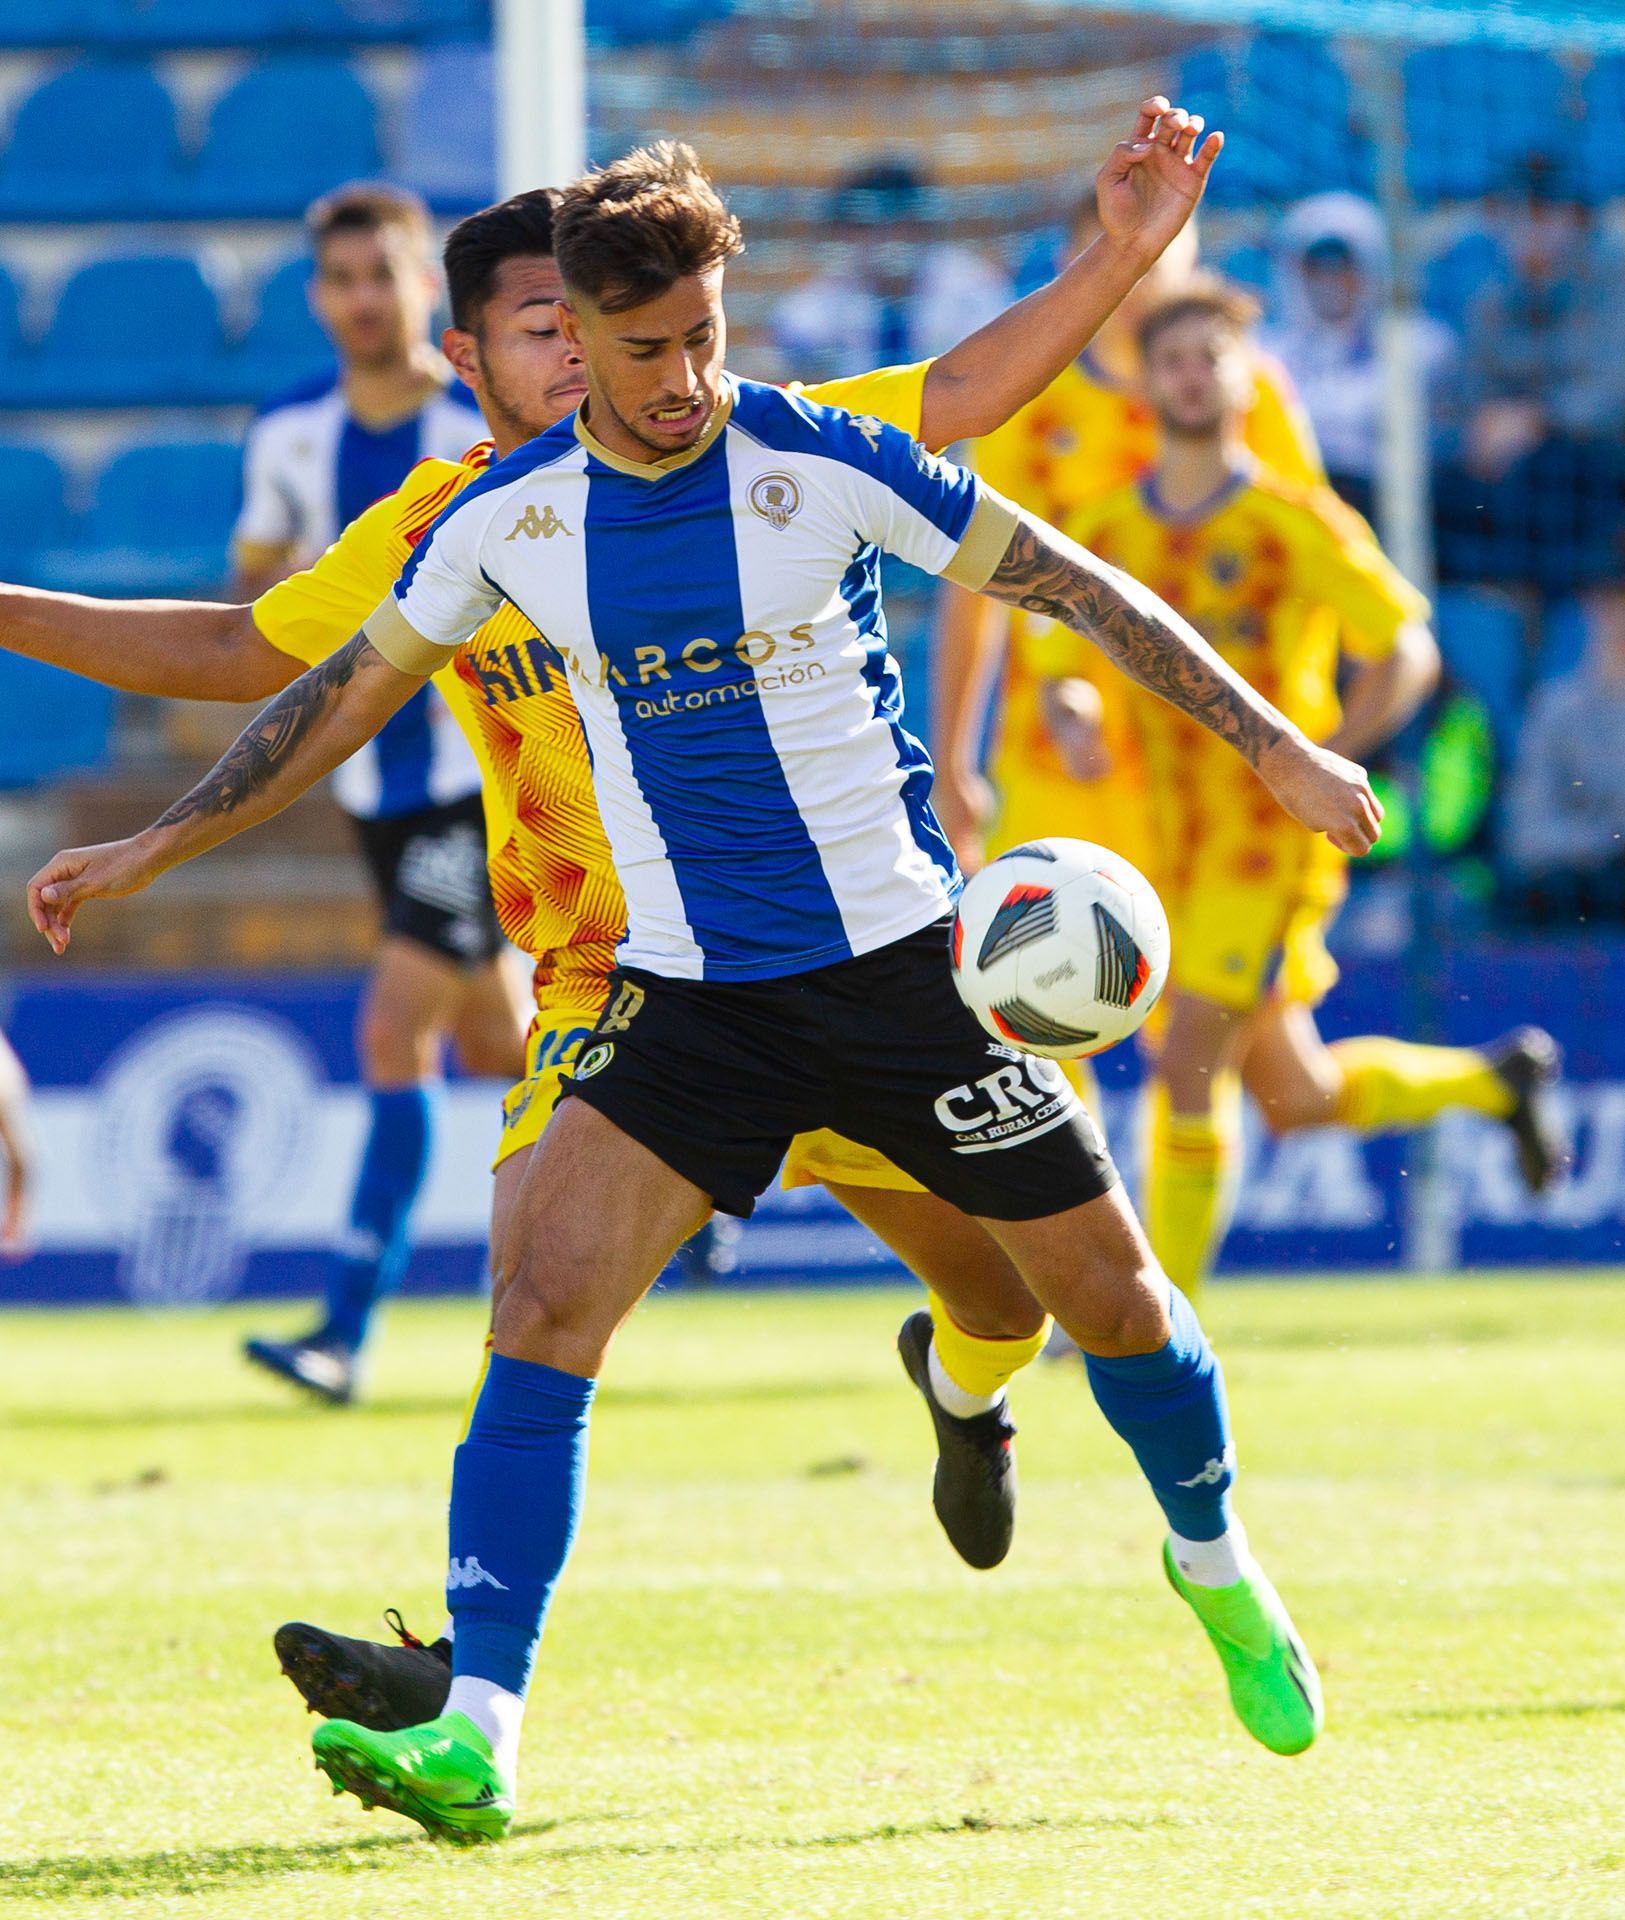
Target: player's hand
x=1075, y=716
x=68, y=880
x=1152, y=181
x=1323, y=791
x=964, y=803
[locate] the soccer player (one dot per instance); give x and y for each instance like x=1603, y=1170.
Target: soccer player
x=1089, y=433
x=710, y=584
x=316, y=458
x=1274, y=576
x=552, y=875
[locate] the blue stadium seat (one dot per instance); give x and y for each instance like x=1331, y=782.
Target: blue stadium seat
x=1562, y=640
x=1481, y=635
x=283, y=346
x=94, y=142
x=161, y=523
x=1597, y=171
x=133, y=331
x=627, y=23
x=1453, y=279
x=404, y=19
x=51, y=722
x=287, y=131
x=33, y=510
x=191, y=23
x=1248, y=94
x=449, y=152
x=1476, y=116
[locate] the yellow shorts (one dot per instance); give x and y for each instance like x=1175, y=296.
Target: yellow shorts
x=1231, y=943
x=557, y=1032
x=825, y=1158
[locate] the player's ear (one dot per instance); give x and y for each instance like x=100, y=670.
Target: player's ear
x=463, y=351
x=569, y=324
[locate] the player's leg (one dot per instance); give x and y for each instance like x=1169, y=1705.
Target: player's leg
x=1377, y=1084
x=1193, y=1144
x=489, y=1022
x=980, y=1327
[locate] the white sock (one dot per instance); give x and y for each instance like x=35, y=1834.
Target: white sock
x=449, y=1630
x=951, y=1397
x=497, y=1713
x=1213, y=1563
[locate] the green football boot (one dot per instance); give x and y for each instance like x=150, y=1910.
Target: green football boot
x=1274, y=1687
x=442, y=1775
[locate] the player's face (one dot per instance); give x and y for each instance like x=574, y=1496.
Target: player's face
x=1198, y=376
x=373, y=293
x=524, y=373
x=655, y=371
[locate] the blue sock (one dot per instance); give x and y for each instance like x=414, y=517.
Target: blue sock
x=393, y=1168
x=1169, y=1407
x=516, y=1489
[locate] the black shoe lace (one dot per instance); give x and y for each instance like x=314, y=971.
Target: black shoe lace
x=397, y=1626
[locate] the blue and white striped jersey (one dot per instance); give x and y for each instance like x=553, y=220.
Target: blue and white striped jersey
x=719, y=615
x=309, y=469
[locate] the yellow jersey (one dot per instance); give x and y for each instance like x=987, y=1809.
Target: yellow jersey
x=1276, y=578
x=552, y=877
x=1086, y=436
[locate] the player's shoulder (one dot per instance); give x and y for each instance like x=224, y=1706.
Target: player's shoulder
x=826, y=438
x=300, y=397
x=1305, y=507
x=481, y=479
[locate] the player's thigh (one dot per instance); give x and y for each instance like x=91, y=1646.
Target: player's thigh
x=955, y=1256
x=1092, y=1267
x=407, y=1008
x=1288, y=1068
x=505, y=1183
x=594, y=1217
x=1199, y=1040
x=490, y=1020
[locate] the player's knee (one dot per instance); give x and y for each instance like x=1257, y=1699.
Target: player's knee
x=393, y=1050
x=548, y=1313
x=491, y=1051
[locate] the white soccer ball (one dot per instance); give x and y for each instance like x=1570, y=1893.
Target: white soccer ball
x=1060, y=947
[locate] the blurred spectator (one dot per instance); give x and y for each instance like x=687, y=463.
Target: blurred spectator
x=1333, y=284
x=1565, y=824
x=904, y=293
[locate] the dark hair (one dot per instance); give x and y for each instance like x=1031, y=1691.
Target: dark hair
x=627, y=233
x=1208, y=299
x=366, y=206
x=520, y=228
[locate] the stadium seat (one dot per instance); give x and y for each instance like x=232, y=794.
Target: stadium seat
x=450, y=145
x=404, y=19
x=283, y=346
x=1278, y=79
x=161, y=523
x=95, y=142
x=628, y=23
x=191, y=23
x=49, y=23
x=1476, y=116
x=1597, y=170
x=33, y=510
x=1481, y=635
x=51, y=722
x=139, y=330
x=287, y=131
x=1453, y=279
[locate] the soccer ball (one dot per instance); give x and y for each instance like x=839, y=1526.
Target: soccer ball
x=1060, y=947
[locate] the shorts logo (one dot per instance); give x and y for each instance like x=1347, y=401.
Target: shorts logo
x=595, y=1059
x=1012, y=1104
x=776, y=497
x=624, y=1009
x=543, y=525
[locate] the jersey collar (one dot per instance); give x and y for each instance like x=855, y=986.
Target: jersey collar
x=1240, y=477
x=652, y=470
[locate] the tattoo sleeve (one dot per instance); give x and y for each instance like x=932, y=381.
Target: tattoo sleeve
x=264, y=748
x=1044, y=573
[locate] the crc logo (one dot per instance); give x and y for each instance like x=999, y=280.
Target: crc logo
x=776, y=498
x=202, y=1137
x=1007, y=1106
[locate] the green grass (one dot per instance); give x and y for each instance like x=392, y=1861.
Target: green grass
x=769, y=1689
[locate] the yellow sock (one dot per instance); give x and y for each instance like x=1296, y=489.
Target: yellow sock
x=479, y=1381
x=1192, y=1162
x=1395, y=1084
x=974, y=1364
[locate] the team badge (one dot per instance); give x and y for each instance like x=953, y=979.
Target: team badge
x=776, y=497
x=594, y=1060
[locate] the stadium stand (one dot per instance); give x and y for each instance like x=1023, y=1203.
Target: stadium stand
x=94, y=137
x=254, y=165
x=283, y=346
x=141, y=330
x=159, y=523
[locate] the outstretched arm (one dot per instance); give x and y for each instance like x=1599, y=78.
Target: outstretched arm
x=185, y=649
x=1045, y=573
x=1146, y=192
x=306, y=732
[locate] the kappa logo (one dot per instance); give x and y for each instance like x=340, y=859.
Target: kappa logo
x=870, y=428
x=543, y=525
x=1214, y=1471
x=776, y=498
x=468, y=1572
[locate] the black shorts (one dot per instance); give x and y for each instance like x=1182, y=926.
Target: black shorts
x=717, y=1078
x=429, y=869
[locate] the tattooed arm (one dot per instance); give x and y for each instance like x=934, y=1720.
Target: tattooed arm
x=1045, y=573
x=307, y=730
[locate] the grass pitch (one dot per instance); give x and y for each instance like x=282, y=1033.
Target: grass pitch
x=769, y=1688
